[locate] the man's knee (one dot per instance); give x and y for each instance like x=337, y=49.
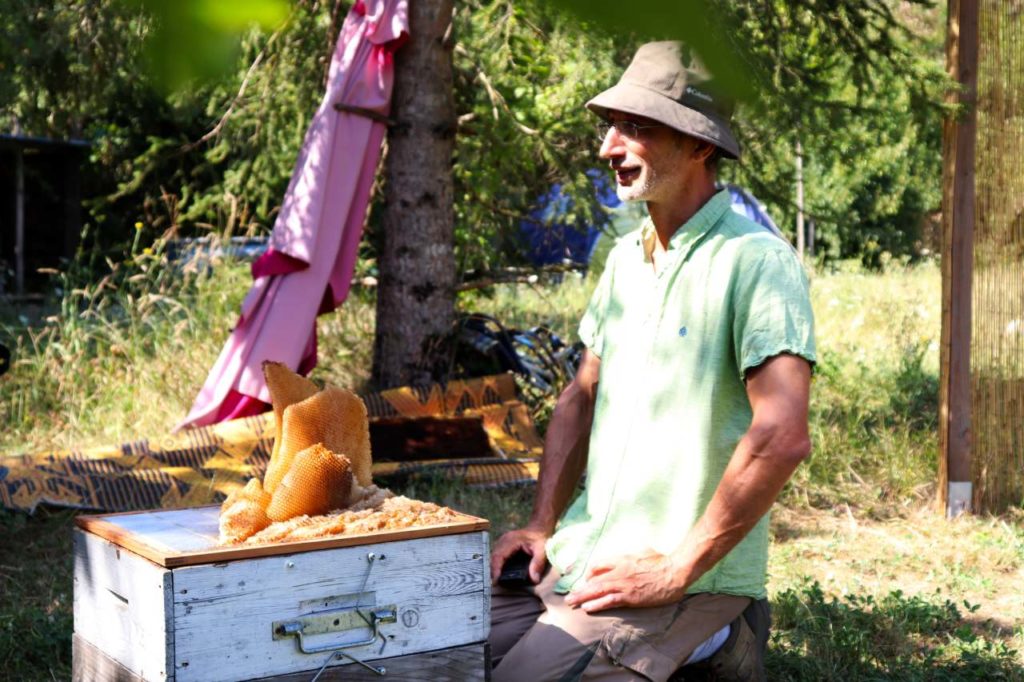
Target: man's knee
x=513, y=613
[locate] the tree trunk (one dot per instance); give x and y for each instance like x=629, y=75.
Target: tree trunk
x=416, y=296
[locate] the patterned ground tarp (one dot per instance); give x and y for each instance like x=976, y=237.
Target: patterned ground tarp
x=200, y=466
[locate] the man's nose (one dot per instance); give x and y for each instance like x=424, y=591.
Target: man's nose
x=611, y=145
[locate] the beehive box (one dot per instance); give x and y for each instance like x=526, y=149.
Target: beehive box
x=156, y=599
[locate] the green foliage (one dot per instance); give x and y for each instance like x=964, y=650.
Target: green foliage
x=896, y=636
x=227, y=164
x=66, y=66
x=859, y=86
x=522, y=74
x=849, y=79
x=215, y=155
x=210, y=28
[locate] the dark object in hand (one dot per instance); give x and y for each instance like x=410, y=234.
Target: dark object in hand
x=516, y=571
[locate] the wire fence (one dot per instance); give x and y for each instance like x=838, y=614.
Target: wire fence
x=997, y=335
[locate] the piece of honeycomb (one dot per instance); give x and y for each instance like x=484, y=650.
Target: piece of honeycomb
x=317, y=481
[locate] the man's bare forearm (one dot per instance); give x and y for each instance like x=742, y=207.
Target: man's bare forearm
x=753, y=480
x=565, y=457
x=764, y=459
x=565, y=446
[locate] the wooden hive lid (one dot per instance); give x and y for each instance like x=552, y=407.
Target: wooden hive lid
x=188, y=537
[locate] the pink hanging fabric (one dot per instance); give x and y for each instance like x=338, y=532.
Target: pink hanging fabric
x=308, y=267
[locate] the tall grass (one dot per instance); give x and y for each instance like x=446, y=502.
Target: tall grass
x=123, y=357
x=874, y=407
x=116, y=358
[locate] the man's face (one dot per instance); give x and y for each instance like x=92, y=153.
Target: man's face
x=651, y=161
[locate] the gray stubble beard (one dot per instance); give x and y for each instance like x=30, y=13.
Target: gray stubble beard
x=641, y=192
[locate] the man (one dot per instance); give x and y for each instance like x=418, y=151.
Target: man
x=688, y=413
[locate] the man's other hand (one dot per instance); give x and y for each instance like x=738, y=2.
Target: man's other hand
x=634, y=580
x=526, y=539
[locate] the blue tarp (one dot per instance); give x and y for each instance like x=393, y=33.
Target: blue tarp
x=547, y=239
x=746, y=204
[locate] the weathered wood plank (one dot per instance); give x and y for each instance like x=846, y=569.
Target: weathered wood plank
x=461, y=664
x=122, y=605
x=89, y=664
x=465, y=663
x=948, y=166
x=187, y=537
x=224, y=613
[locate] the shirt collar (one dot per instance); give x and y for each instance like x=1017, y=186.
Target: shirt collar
x=690, y=232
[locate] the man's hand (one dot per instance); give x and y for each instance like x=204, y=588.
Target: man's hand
x=528, y=540
x=635, y=580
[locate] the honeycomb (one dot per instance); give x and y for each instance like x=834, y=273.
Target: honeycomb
x=334, y=417
x=316, y=482
x=286, y=388
x=320, y=461
x=244, y=512
x=381, y=511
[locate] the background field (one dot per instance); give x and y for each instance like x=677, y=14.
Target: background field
x=866, y=582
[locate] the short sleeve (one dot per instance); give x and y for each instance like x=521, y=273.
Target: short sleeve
x=772, y=310
x=591, y=329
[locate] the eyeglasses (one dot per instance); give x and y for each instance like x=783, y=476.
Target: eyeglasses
x=628, y=129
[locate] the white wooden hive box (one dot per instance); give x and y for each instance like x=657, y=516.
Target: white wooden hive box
x=154, y=594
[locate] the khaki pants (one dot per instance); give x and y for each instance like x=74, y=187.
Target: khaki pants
x=535, y=636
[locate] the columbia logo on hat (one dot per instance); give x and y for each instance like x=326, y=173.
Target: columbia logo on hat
x=690, y=90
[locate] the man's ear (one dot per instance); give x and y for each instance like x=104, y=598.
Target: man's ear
x=703, y=151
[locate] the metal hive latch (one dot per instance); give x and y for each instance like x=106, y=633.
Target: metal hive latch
x=340, y=620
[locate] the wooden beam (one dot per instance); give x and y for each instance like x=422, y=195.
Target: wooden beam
x=958, y=262
x=800, y=199
x=72, y=202
x=945, y=240
x=19, y=221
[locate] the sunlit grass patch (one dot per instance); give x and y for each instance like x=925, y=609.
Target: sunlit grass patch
x=896, y=636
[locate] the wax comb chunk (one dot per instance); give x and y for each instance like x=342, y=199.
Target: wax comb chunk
x=286, y=388
x=334, y=417
x=317, y=482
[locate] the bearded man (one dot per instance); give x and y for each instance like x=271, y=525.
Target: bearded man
x=688, y=414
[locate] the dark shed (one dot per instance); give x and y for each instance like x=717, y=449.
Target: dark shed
x=40, y=208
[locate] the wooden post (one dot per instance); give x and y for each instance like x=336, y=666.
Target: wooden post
x=19, y=221
x=799, y=199
x=955, y=482
x=71, y=163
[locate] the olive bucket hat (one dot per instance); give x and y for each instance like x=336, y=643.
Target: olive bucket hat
x=658, y=86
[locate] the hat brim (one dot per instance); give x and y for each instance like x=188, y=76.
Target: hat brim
x=635, y=99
